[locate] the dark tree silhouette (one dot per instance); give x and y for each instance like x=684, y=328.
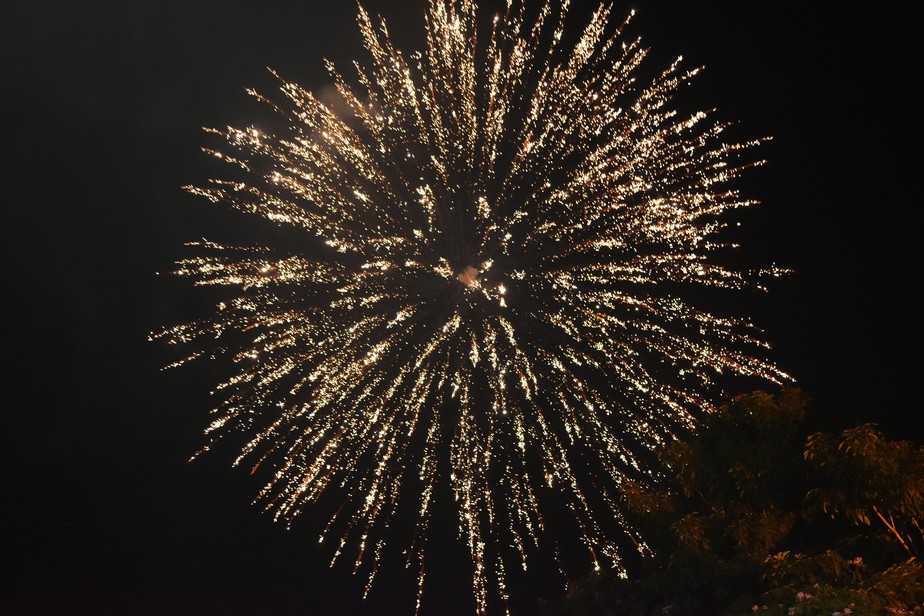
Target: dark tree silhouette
x=759, y=516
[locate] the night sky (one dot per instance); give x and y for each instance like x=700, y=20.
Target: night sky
x=102, y=106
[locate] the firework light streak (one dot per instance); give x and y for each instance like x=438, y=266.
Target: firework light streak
x=507, y=229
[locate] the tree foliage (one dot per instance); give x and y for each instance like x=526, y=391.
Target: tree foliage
x=869, y=480
x=761, y=517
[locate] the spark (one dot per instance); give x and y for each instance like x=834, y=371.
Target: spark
x=507, y=236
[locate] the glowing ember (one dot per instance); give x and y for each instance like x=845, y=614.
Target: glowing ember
x=469, y=277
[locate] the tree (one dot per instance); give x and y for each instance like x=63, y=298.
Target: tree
x=758, y=516
x=870, y=480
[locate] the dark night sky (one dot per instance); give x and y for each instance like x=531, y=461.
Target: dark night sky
x=102, y=104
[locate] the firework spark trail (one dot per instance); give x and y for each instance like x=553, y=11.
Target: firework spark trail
x=507, y=228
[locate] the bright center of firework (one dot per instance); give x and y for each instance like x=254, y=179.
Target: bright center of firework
x=469, y=276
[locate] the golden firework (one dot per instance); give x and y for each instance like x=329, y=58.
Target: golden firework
x=508, y=231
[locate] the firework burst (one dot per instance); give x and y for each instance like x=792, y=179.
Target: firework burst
x=508, y=231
